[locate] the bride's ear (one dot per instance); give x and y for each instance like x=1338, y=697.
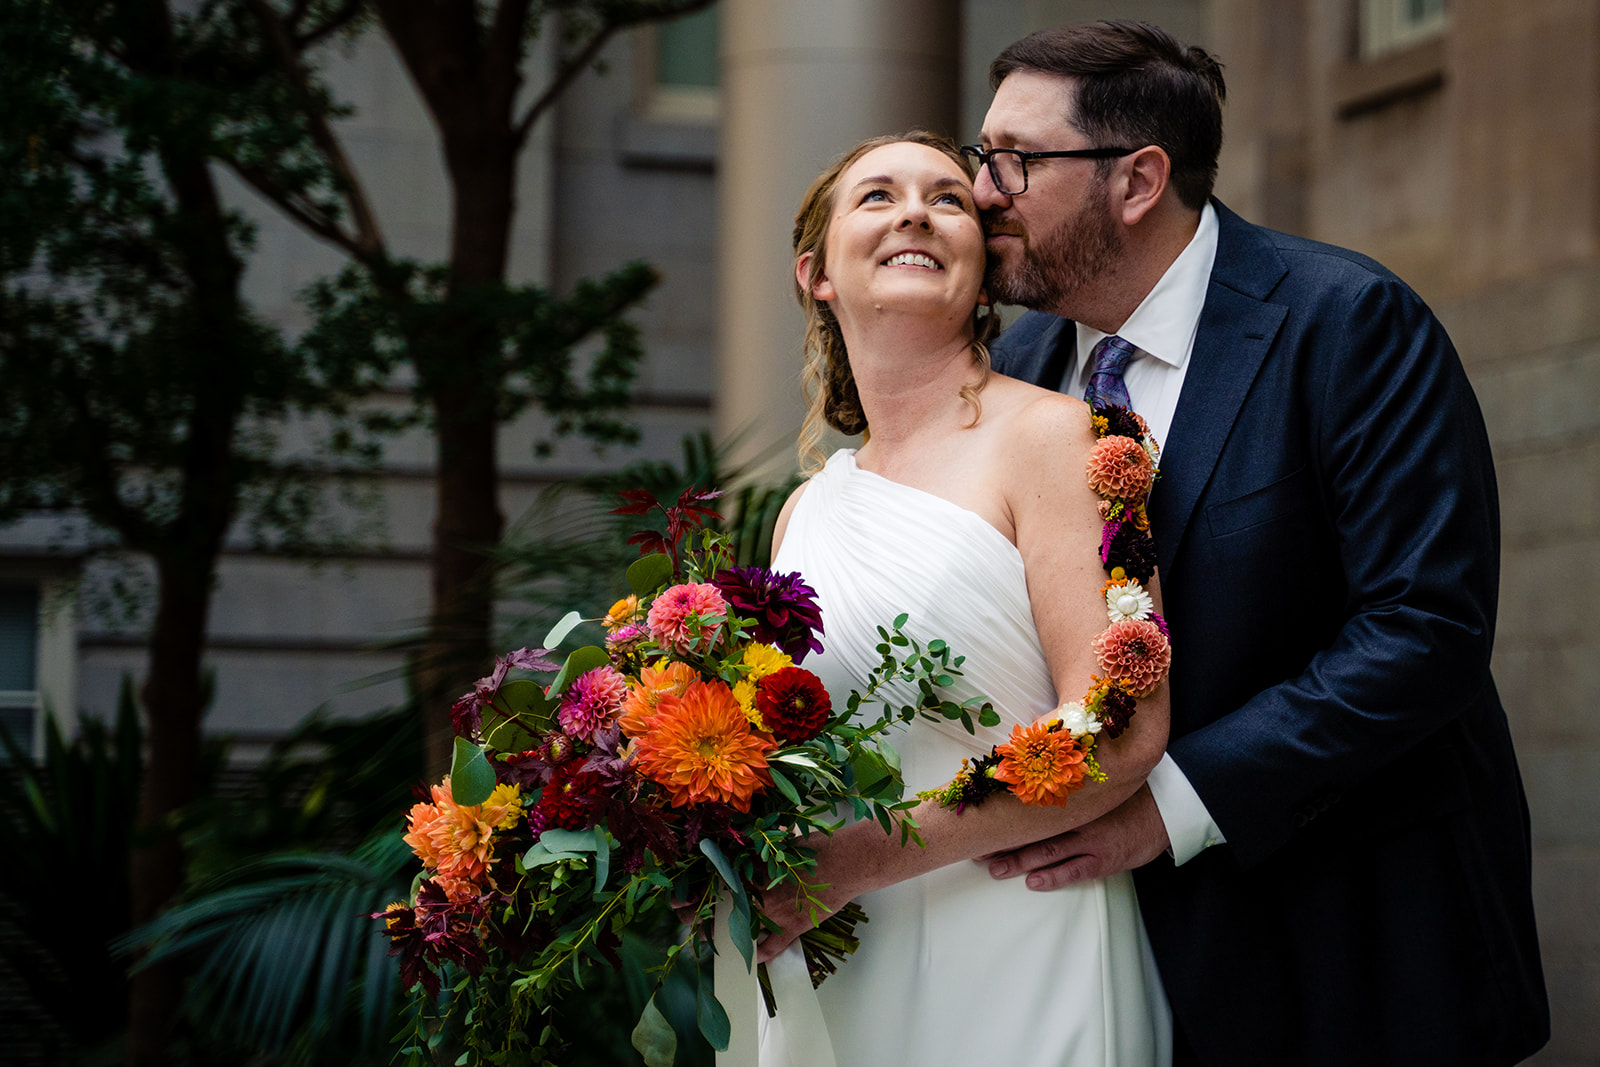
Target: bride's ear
x=822, y=288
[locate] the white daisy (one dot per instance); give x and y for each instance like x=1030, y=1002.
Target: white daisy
x=1076, y=720
x=1128, y=600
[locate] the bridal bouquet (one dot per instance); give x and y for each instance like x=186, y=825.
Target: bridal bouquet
x=687, y=757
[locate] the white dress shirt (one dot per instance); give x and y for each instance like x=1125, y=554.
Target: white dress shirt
x=1162, y=328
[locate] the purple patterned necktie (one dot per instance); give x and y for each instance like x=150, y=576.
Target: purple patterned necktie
x=1110, y=357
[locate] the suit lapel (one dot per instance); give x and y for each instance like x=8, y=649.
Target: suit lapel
x=1237, y=328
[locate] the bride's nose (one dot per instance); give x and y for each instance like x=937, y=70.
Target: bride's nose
x=914, y=215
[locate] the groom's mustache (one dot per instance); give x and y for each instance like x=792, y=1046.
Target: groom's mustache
x=995, y=223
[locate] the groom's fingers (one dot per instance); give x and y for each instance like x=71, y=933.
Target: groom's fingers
x=1069, y=872
x=1039, y=855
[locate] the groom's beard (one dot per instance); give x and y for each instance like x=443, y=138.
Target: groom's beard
x=1055, y=270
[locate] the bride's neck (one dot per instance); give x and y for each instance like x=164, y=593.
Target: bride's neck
x=911, y=386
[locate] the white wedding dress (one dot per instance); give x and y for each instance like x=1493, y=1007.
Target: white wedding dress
x=955, y=967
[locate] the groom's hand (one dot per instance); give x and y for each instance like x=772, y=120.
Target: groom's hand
x=1127, y=837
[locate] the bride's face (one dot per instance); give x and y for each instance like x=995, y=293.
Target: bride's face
x=903, y=237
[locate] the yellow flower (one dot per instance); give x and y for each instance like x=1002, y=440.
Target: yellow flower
x=622, y=612
x=745, y=693
x=762, y=660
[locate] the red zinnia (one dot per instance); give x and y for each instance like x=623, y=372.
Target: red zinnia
x=793, y=704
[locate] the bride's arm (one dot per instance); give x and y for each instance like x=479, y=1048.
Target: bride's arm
x=1058, y=535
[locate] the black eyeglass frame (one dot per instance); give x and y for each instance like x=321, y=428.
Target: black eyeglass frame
x=985, y=158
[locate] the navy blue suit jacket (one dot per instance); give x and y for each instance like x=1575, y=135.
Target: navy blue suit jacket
x=1328, y=538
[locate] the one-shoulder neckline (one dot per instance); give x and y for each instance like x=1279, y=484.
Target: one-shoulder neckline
x=853, y=468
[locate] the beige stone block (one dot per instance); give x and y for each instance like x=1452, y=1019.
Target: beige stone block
x=1546, y=397
x=1509, y=320
x=1550, y=692
x=1548, y=593
x=1551, y=494
x=1566, y=887
x=1563, y=786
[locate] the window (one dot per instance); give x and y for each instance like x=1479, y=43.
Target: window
x=19, y=664
x=1390, y=25
x=678, y=67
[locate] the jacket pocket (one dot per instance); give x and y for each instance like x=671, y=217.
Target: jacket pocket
x=1287, y=495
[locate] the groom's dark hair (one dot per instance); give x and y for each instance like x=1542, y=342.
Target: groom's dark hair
x=1136, y=85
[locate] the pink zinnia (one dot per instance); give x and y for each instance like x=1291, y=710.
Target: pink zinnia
x=1120, y=468
x=592, y=702
x=1136, y=653
x=675, y=618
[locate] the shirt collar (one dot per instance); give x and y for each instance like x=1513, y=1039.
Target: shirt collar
x=1165, y=322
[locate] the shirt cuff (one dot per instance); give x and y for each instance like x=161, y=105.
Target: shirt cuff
x=1190, y=828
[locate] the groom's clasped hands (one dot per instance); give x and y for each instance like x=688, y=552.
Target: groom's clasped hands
x=1126, y=837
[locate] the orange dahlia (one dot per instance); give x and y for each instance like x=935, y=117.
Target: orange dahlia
x=457, y=840
x=1136, y=653
x=653, y=684
x=699, y=747
x=1041, y=762
x=1120, y=468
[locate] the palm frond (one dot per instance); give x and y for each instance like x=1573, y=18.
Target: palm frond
x=286, y=950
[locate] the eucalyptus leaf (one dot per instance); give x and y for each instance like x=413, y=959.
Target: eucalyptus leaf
x=562, y=629
x=739, y=917
x=785, y=786
x=582, y=659
x=602, y=860
x=649, y=573
x=471, y=777
x=712, y=1018
x=654, y=1037
x=559, y=840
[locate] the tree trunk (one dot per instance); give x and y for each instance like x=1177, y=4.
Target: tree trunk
x=466, y=376
x=173, y=703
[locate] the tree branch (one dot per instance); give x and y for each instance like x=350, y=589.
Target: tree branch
x=570, y=69
x=565, y=72
x=335, y=22
x=307, y=215
x=367, y=238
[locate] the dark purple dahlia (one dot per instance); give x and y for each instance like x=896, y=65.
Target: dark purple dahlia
x=1122, y=544
x=1120, y=422
x=783, y=608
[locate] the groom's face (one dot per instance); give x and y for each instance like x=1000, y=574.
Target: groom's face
x=1049, y=245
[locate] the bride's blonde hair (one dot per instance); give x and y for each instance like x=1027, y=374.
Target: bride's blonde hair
x=831, y=395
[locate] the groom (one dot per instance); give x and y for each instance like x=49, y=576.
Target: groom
x=1333, y=858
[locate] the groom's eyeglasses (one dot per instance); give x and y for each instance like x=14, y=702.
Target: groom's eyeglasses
x=1008, y=167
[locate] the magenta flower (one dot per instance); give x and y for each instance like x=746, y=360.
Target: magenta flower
x=783, y=608
x=592, y=702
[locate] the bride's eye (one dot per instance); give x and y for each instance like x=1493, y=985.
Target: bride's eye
x=874, y=195
x=951, y=198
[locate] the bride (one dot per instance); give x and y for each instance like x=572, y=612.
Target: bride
x=966, y=507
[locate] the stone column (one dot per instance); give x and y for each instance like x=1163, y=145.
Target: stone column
x=802, y=82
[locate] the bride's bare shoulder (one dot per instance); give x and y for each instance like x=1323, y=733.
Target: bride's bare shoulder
x=1041, y=426
x=782, y=525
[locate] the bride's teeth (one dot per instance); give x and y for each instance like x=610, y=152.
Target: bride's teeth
x=913, y=259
